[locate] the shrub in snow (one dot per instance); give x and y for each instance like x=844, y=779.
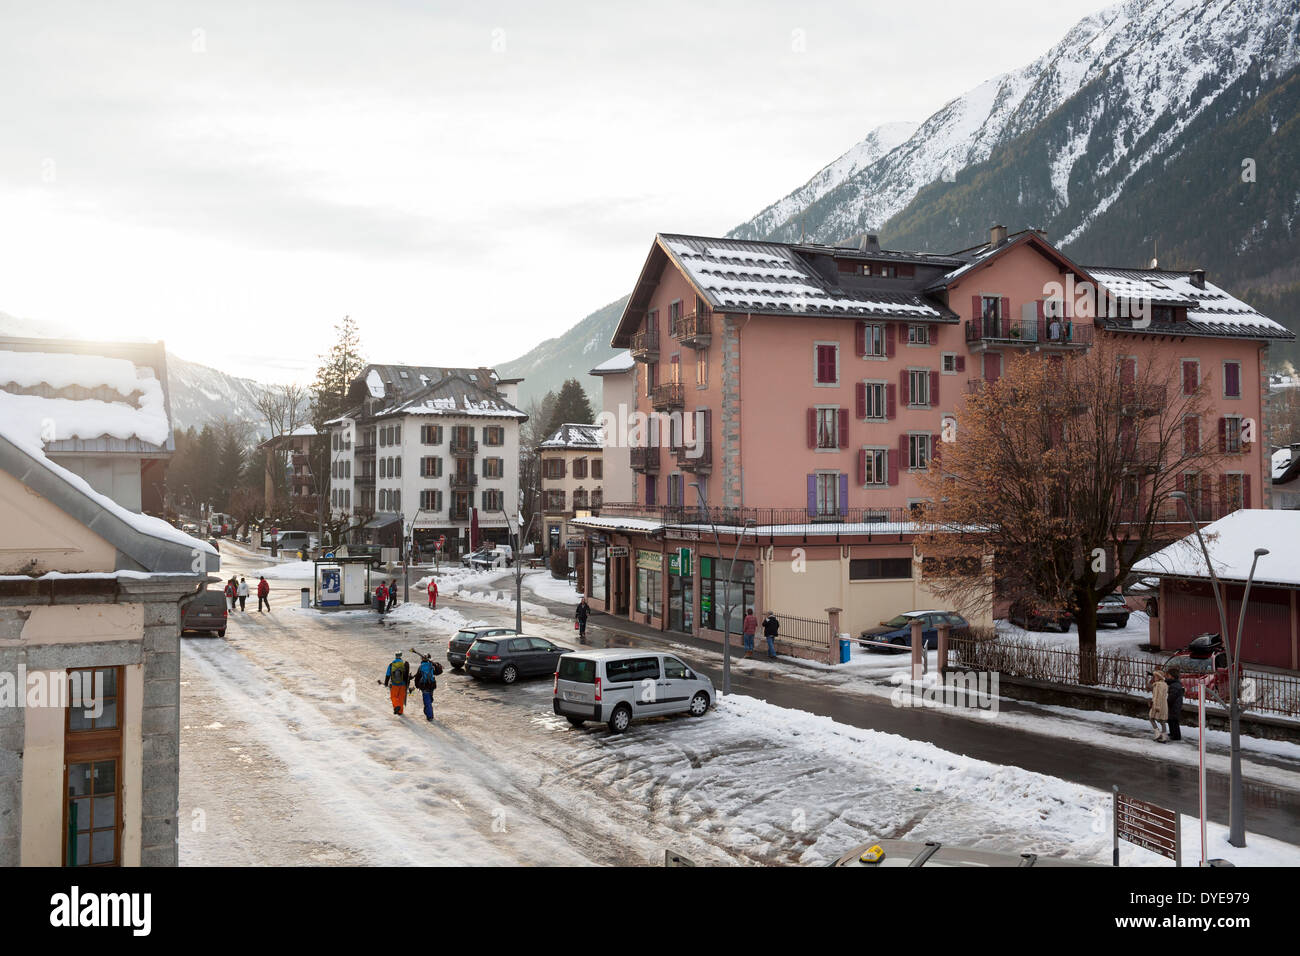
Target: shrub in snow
x=559, y=563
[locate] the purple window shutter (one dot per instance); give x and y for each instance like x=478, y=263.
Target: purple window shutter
x=843, y=416
x=812, y=494
x=844, y=493
x=1232, y=379
x=891, y=401
x=1245, y=491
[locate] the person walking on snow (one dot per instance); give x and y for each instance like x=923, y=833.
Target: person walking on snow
x=426, y=682
x=242, y=591
x=263, y=594
x=1159, y=712
x=392, y=594
x=747, y=629
x=381, y=598
x=770, y=628
x=398, y=681
x=433, y=593
x=580, y=615
x=1175, y=704
x=232, y=592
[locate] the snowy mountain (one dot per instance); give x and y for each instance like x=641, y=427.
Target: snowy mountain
x=571, y=355
x=198, y=394
x=1150, y=66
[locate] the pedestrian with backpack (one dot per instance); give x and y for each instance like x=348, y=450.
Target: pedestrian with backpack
x=263, y=594
x=771, y=627
x=398, y=681
x=381, y=599
x=580, y=618
x=232, y=592
x=392, y=594
x=426, y=681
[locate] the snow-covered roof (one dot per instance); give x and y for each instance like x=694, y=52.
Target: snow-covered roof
x=621, y=362
x=616, y=523
x=1210, y=310
x=454, y=396
x=1281, y=459
x=569, y=435
x=742, y=276
x=52, y=398
x=1232, y=541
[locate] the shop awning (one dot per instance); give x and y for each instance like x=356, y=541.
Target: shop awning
x=381, y=521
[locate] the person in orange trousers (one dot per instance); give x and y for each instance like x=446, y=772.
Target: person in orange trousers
x=433, y=593
x=398, y=681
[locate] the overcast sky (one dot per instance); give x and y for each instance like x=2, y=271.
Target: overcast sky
x=465, y=180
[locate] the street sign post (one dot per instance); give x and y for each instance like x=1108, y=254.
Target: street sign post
x=1146, y=825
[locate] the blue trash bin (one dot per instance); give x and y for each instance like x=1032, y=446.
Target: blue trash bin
x=844, y=650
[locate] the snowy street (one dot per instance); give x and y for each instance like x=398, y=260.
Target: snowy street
x=290, y=754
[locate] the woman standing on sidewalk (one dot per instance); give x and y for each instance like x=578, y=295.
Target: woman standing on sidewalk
x=1159, y=712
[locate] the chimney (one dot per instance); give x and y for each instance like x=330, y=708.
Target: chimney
x=1198, y=278
x=869, y=243
x=997, y=236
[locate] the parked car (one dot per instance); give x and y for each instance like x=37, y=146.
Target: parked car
x=609, y=686
x=1040, y=619
x=1112, y=609
x=898, y=630
x=509, y=658
x=206, y=612
x=914, y=853
x=467, y=560
x=500, y=556
x=294, y=540
x=460, y=642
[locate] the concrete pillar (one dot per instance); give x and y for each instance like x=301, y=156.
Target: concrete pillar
x=918, y=650
x=945, y=631
x=833, y=614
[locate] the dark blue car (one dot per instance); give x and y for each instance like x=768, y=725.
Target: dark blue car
x=898, y=630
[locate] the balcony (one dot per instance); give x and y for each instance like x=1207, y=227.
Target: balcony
x=364, y=451
x=463, y=481
x=464, y=447
x=555, y=506
x=695, y=329
x=1141, y=455
x=645, y=460
x=364, y=481
x=1137, y=399
x=459, y=514
x=698, y=459
x=668, y=395
x=300, y=460
x=645, y=345
x=1031, y=333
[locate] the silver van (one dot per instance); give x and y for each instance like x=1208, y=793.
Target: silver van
x=616, y=686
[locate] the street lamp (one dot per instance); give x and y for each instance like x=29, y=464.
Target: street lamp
x=1236, y=800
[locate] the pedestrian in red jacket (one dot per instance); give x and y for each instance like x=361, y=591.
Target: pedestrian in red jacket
x=263, y=594
x=433, y=593
x=381, y=598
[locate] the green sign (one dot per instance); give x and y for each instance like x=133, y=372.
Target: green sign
x=679, y=562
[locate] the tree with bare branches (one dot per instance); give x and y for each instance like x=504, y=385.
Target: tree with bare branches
x=1063, y=471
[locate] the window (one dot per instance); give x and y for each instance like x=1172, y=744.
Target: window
x=674, y=669
x=702, y=368
x=724, y=595
x=674, y=313
x=918, y=387
x=493, y=467
x=650, y=489
x=597, y=468
x=1232, y=380
x=918, y=335
x=494, y=435
x=92, y=831
x=632, y=669
x=430, y=467
x=1191, y=435
x=580, y=467
x=493, y=500
x=397, y=468
x=651, y=378
x=918, y=452
x=826, y=360
x=876, y=466
x=1232, y=434
x=876, y=569
x=990, y=307
x=431, y=434
x=950, y=365
x=553, y=468
x=1233, y=497
x=828, y=432
x=874, y=406
x=828, y=493
x=397, y=434
x=873, y=340
x=335, y=441
x=675, y=491
x=431, y=499
x=555, y=499
x=1191, y=376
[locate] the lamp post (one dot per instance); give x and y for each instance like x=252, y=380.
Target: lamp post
x=520, y=535
x=1236, y=801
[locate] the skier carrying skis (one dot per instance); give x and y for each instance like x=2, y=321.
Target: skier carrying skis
x=426, y=681
x=398, y=681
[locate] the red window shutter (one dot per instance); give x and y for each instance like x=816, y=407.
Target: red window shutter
x=1223, y=494
x=843, y=416
x=1181, y=481
x=862, y=399
x=904, y=393
x=1245, y=491
x=934, y=389
x=892, y=457
x=961, y=363
x=891, y=401
x=1042, y=312
x=904, y=456
x=1128, y=371
x=992, y=367
x=934, y=334
x=889, y=340
x=1005, y=315
x=935, y=446
x=862, y=466
x=812, y=428
x=1191, y=435
x=860, y=338
x=1223, y=434
x=1190, y=377
x=1232, y=380
x=976, y=308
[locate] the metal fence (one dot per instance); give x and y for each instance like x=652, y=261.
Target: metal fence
x=1263, y=692
x=804, y=632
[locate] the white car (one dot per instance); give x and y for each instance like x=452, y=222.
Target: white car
x=617, y=685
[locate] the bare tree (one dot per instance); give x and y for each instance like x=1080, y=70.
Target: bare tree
x=1063, y=471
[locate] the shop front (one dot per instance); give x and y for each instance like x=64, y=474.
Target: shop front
x=650, y=587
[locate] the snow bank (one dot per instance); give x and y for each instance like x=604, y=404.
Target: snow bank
x=291, y=571
x=553, y=589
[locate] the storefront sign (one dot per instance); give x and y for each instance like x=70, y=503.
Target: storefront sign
x=1149, y=826
x=616, y=552
x=679, y=562
x=650, y=560
x=575, y=544
x=682, y=535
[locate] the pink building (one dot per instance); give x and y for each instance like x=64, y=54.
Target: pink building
x=803, y=388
